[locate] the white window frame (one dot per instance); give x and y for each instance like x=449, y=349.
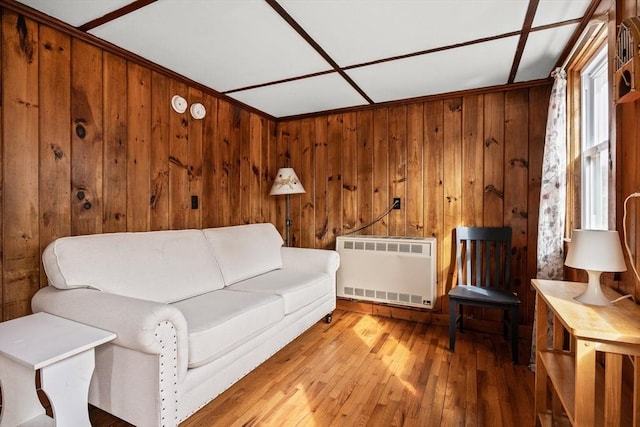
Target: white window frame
x=595, y=147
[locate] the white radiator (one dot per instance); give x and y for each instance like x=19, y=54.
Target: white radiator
x=393, y=270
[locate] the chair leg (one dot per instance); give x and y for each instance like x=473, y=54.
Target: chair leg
x=514, y=333
x=505, y=324
x=452, y=325
x=461, y=318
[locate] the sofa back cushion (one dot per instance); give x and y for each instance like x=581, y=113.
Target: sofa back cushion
x=160, y=266
x=245, y=251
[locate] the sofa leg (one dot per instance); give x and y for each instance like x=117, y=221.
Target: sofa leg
x=328, y=318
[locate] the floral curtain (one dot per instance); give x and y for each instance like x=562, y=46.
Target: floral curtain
x=550, y=256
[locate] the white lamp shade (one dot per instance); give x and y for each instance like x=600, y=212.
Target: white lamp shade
x=286, y=182
x=595, y=250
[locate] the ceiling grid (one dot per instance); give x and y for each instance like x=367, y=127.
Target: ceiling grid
x=290, y=57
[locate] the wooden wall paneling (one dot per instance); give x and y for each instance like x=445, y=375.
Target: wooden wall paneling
x=223, y=161
x=365, y=170
x=114, y=185
x=245, y=167
x=54, y=83
x=269, y=158
x=414, y=203
x=398, y=168
x=159, y=152
x=516, y=185
x=349, y=172
x=256, y=186
x=194, y=162
x=538, y=107
x=179, y=198
x=452, y=157
x=493, y=180
x=138, y=147
x=20, y=216
x=381, y=198
x=283, y=160
x=210, y=165
x=472, y=160
x=86, y=138
x=433, y=170
x=295, y=161
x=235, y=142
x=321, y=186
x=472, y=177
x=334, y=178
x=306, y=175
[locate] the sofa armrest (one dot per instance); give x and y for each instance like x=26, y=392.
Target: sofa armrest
x=324, y=260
x=135, y=321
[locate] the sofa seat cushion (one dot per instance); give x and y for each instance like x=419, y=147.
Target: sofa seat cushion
x=222, y=320
x=159, y=266
x=245, y=251
x=297, y=288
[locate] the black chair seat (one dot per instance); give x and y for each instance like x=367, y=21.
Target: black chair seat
x=483, y=257
x=480, y=295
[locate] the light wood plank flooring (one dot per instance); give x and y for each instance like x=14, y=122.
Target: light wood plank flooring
x=363, y=370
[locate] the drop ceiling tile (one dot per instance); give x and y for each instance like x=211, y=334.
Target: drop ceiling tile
x=550, y=11
x=76, y=12
x=358, y=31
x=479, y=65
x=319, y=93
x=542, y=52
x=223, y=44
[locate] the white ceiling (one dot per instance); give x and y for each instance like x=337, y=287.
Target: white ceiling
x=292, y=57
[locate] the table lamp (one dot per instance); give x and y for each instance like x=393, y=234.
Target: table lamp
x=287, y=183
x=595, y=251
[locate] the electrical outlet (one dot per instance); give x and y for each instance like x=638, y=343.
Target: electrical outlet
x=396, y=203
x=194, y=202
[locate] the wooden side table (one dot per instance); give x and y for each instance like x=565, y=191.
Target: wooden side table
x=63, y=350
x=579, y=375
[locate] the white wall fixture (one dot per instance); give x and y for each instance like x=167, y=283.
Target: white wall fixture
x=179, y=104
x=198, y=111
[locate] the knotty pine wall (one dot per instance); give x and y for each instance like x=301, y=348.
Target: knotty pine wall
x=470, y=160
x=90, y=144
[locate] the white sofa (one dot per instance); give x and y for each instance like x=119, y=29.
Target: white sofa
x=194, y=310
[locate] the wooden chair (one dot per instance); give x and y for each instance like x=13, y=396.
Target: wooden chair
x=483, y=257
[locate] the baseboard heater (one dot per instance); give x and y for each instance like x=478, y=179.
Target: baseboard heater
x=393, y=270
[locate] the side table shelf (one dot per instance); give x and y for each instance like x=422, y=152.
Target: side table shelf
x=63, y=351
x=579, y=368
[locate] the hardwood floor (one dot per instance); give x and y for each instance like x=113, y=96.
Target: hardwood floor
x=363, y=370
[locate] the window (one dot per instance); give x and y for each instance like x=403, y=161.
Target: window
x=595, y=142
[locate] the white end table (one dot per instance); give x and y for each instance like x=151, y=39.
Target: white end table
x=63, y=350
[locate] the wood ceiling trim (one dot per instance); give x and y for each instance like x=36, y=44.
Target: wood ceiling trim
x=438, y=97
x=292, y=22
x=118, y=13
x=588, y=15
x=524, y=35
x=275, y=82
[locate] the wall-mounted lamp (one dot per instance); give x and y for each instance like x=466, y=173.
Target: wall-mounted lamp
x=287, y=183
x=595, y=251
